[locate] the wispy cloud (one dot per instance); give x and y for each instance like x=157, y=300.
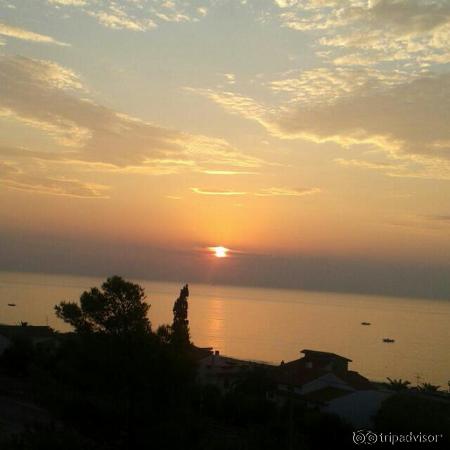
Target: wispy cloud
x=441, y=217
x=403, y=167
x=52, y=99
x=408, y=118
x=227, y=172
x=224, y=192
x=402, y=31
x=325, y=85
x=138, y=15
x=68, y=2
x=173, y=197
x=118, y=19
x=286, y=192
x=230, y=78
x=263, y=192
x=26, y=35
x=402, y=115
x=57, y=186
x=14, y=178
x=239, y=104
x=375, y=84
x=422, y=222
x=366, y=164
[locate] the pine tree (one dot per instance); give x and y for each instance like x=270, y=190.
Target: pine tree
x=118, y=308
x=180, y=327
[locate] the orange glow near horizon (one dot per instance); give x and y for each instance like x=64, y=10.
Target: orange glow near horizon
x=220, y=252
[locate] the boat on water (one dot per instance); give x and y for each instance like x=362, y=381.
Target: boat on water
x=11, y=304
x=366, y=323
x=388, y=340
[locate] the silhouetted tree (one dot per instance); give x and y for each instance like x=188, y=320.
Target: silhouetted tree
x=118, y=308
x=180, y=326
x=406, y=413
x=164, y=333
x=428, y=387
x=17, y=358
x=47, y=437
x=116, y=381
x=398, y=384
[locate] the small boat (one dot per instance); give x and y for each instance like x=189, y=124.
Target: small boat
x=388, y=340
x=366, y=323
x=11, y=304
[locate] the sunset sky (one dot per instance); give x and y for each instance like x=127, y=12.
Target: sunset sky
x=311, y=138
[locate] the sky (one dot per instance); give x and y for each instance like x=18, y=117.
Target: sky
x=311, y=138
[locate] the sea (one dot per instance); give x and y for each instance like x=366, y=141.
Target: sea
x=272, y=325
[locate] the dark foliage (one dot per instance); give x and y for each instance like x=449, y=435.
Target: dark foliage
x=180, y=327
x=118, y=308
x=49, y=438
x=407, y=412
x=19, y=357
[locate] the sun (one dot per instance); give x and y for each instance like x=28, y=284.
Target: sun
x=219, y=252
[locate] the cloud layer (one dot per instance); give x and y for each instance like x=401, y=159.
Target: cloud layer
x=410, y=117
x=263, y=192
x=358, y=32
x=14, y=178
x=403, y=114
x=26, y=35
x=137, y=15
x=52, y=99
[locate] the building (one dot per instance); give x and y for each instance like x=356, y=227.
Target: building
x=39, y=335
x=323, y=380
x=318, y=377
x=222, y=371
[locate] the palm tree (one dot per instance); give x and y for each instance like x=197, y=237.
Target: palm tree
x=398, y=384
x=428, y=387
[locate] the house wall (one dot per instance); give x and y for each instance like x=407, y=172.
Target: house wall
x=328, y=380
x=358, y=408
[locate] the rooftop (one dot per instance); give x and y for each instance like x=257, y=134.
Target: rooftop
x=29, y=331
x=329, y=355
x=316, y=364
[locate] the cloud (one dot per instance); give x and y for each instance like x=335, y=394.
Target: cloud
x=233, y=102
x=68, y=2
x=264, y=192
x=223, y=192
x=410, y=16
x=138, y=15
x=436, y=223
x=406, y=31
x=26, y=35
x=43, y=72
x=174, y=197
x=7, y=169
x=366, y=164
x=14, y=178
x=239, y=104
x=441, y=218
x=227, y=172
x=403, y=115
x=57, y=186
x=286, y=192
x=118, y=19
x=230, y=78
x=52, y=99
x=327, y=85
x=414, y=167
x=410, y=118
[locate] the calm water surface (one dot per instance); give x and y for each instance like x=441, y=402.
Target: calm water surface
x=273, y=325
